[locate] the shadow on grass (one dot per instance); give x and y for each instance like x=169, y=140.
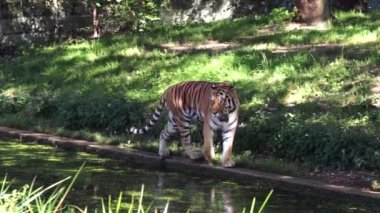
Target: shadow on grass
x=310, y=102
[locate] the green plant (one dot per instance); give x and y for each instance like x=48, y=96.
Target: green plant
x=109, y=208
x=93, y=110
x=30, y=199
x=280, y=15
x=261, y=209
x=133, y=15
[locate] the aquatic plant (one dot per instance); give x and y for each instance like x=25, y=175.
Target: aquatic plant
x=253, y=205
x=29, y=199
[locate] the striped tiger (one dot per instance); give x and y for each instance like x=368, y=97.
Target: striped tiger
x=214, y=104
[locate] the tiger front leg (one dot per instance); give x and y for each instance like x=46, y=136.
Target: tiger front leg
x=228, y=134
x=184, y=131
x=208, y=146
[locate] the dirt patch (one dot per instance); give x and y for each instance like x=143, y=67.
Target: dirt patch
x=216, y=46
x=326, y=48
x=320, y=26
x=209, y=46
x=357, y=179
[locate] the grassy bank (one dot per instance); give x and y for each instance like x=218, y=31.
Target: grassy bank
x=307, y=95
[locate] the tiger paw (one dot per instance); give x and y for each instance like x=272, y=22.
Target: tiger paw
x=228, y=164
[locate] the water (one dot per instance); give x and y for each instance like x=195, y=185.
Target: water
x=102, y=177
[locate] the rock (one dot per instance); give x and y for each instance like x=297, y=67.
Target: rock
x=375, y=185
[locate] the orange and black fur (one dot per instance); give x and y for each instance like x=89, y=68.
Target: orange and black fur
x=215, y=104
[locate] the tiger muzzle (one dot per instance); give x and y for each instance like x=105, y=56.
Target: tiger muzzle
x=223, y=117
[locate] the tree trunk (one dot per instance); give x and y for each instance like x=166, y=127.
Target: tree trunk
x=95, y=21
x=312, y=11
x=58, y=15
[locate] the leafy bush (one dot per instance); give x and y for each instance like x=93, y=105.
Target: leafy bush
x=132, y=15
x=279, y=15
x=94, y=111
x=295, y=139
x=17, y=100
x=7, y=104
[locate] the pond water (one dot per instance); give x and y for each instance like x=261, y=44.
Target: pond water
x=102, y=177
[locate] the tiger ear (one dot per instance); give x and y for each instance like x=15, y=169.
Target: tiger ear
x=227, y=86
x=213, y=86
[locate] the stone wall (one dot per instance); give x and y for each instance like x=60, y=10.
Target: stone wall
x=46, y=20
x=28, y=21
x=185, y=11
x=40, y=29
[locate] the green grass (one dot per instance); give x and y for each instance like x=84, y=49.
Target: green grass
x=304, y=104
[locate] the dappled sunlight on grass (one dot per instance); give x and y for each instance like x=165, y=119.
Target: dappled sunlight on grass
x=300, y=95
x=261, y=46
x=361, y=121
x=323, y=78
x=364, y=37
x=203, y=67
x=133, y=51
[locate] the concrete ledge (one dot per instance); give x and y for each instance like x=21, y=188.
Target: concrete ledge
x=178, y=164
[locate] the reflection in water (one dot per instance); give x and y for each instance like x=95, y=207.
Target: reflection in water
x=202, y=195
x=91, y=186
x=195, y=195
x=102, y=177
x=227, y=201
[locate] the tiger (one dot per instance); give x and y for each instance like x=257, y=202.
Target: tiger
x=215, y=104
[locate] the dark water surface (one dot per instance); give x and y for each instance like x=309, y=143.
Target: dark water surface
x=102, y=177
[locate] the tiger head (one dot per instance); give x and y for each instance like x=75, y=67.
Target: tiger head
x=223, y=100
